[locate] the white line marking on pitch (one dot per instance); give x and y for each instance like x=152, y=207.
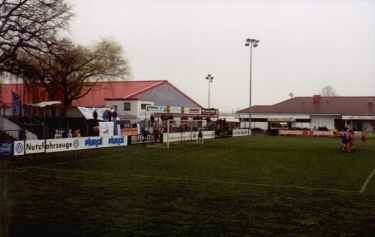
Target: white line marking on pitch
x=206, y=181
x=244, y=183
x=369, y=177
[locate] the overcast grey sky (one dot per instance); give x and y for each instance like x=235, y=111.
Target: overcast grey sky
x=305, y=44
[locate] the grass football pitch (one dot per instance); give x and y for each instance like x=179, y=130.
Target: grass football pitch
x=250, y=186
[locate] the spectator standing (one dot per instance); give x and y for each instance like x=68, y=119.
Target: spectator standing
x=95, y=115
x=109, y=115
x=105, y=115
x=200, y=137
x=114, y=115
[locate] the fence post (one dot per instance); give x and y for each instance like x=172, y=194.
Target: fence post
x=168, y=134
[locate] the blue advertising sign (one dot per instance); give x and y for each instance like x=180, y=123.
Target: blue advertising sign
x=93, y=142
x=5, y=149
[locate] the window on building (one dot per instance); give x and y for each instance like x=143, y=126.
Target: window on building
x=127, y=106
x=144, y=106
x=303, y=120
x=253, y=120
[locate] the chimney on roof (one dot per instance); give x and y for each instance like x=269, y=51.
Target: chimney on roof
x=316, y=99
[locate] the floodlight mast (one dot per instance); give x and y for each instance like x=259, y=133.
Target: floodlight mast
x=251, y=43
x=210, y=79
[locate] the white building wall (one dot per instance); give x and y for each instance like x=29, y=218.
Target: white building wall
x=261, y=125
x=143, y=113
x=317, y=122
x=278, y=116
x=300, y=125
x=120, y=107
x=264, y=125
x=135, y=108
x=244, y=124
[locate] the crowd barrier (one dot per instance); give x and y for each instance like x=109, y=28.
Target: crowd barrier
x=25, y=147
x=140, y=139
x=186, y=136
x=306, y=133
x=241, y=132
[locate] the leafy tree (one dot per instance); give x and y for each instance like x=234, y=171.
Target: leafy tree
x=29, y=25
x=328, y=91
x=68, y=71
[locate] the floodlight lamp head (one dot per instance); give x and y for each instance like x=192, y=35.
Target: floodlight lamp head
x=209, y=77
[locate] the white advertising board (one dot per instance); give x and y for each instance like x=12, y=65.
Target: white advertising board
x=19, y=148
x=322, y=133
x=358, y=117
x=306, y=133
x=34, y=146
x=106, y=129
x=195, y=111
x=155, y=108
x=186, y=136
x=291, y=132
x=240, y=132
x=171, y=137
x=67, y=144
x=62, y=144
x=28, y=147
x=173, y=109
x=98, y=142
x=208, y=134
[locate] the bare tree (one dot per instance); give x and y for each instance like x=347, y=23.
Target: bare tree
x=328, y=91
x=68, y=71
x=29, y=25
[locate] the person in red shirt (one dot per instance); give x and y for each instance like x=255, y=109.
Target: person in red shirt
x=350, y=135
x=363, y=136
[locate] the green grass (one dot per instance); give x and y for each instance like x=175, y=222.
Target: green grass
x=253, y=186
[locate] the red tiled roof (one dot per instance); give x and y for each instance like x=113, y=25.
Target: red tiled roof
x=343, y=105
x=126, y=90
x=114, y=89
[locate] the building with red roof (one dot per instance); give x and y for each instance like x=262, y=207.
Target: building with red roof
x=161, y=90
x=337, y=112
x=129, y=98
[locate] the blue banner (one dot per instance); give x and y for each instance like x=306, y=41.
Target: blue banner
x=5, y=149
x=16, y=104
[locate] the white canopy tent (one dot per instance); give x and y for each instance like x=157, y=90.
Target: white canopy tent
x=45, y=104
x=86, y=112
